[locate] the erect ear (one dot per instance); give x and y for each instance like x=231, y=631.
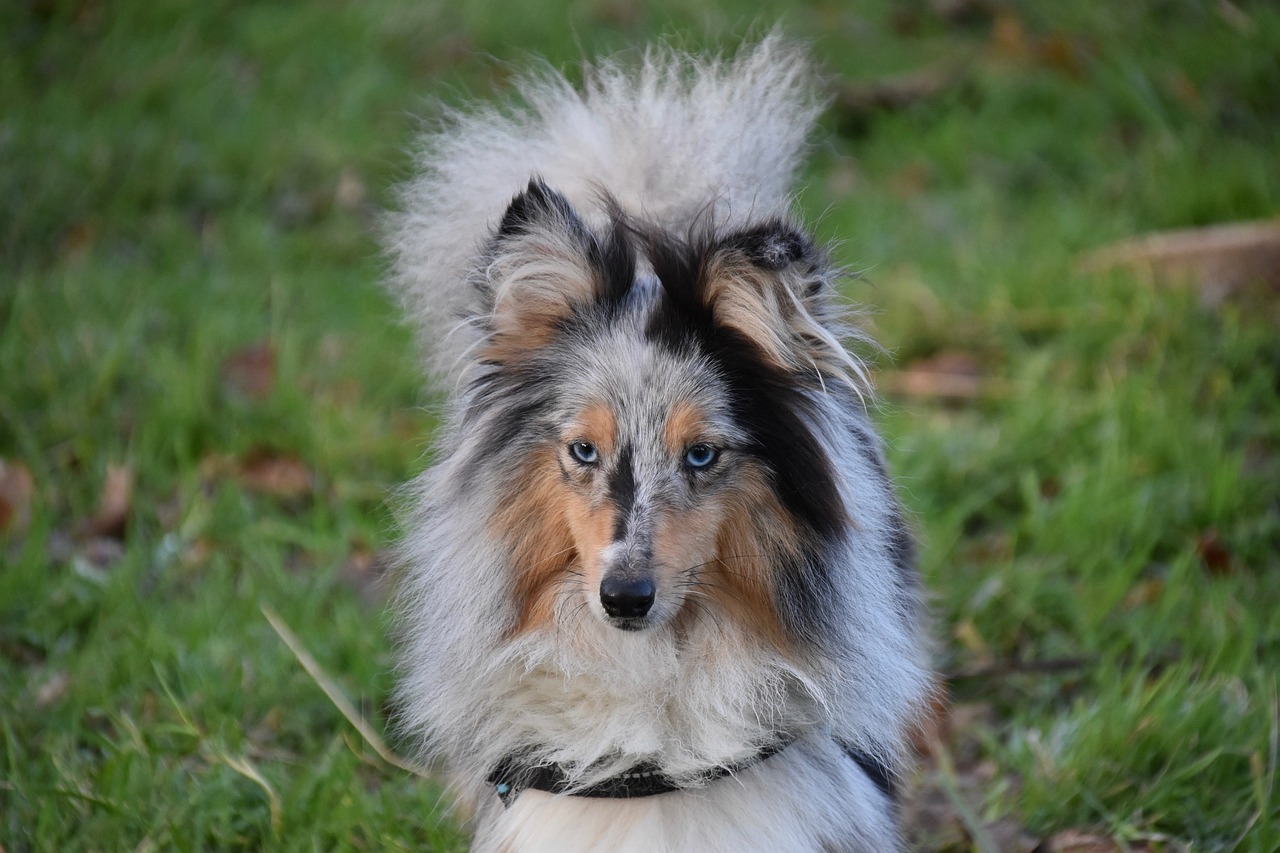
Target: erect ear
x=538, y=206
x=539, y=269
x=772, y=285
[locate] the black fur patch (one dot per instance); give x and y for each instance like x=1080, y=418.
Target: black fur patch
x=613, y=259
x=622, y=492
x=513, y=405
x=806, y=597
x=773, y=246
x=538, y=205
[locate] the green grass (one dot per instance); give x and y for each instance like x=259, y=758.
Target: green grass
x=180, y=181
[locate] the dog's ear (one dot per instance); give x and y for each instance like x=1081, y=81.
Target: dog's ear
x=772, y=285
x=538, y=207
x=539, y=270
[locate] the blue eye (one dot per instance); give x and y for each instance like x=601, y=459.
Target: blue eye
x=701, y=456
x=584, y=452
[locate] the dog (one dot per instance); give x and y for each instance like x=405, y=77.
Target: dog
x=658, y=593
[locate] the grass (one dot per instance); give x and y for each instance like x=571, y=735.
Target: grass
x=182, y=182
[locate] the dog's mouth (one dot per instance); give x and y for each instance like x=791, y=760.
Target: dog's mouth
x=629, y=623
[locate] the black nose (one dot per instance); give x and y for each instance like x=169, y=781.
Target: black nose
x=626, y=598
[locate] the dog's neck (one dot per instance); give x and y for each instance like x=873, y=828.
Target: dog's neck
x=597, y=701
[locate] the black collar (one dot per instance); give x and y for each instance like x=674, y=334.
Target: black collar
x=514, y=774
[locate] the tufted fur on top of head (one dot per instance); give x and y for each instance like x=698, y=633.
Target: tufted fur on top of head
x=669, y=139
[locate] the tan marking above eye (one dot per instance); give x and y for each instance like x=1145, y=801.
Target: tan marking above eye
x=596, y=425
x=686, y=426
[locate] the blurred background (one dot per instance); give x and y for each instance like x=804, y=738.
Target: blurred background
x=206, y=401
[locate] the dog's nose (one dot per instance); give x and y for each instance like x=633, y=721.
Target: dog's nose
x=626, y=598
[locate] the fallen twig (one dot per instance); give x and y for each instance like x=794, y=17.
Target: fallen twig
x=1219, y=259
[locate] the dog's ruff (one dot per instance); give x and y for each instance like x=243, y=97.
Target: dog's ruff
x=657, y=531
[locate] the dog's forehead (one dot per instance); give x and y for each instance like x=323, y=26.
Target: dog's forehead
x=642, y=383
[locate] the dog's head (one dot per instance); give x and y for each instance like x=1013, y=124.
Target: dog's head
x=646, y=403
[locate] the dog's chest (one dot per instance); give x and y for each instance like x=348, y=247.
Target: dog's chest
x=686, y=711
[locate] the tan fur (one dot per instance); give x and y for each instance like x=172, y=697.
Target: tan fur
x=535, y=525
x=597, y=425
x=685, y=425
x=747, y=299
x=755, y=532
x=764, y=307
x=542, y=278
x=684, y=547
x=590, y=526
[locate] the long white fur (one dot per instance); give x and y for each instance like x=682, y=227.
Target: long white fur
x=666, y=141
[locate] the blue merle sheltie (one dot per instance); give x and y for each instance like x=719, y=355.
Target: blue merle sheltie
x=658, y=592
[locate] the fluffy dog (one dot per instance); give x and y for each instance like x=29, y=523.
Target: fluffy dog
x=659, y=594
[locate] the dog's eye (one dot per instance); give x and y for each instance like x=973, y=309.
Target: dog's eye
x=584, y=452
x=701, y=456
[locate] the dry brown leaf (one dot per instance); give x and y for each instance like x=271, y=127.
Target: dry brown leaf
x=1219, y=259
x=1009, y=37
x=1058, y=52
x=941, y=808
x=950, y=375
x=114, y=504
x=1214, y=553
x=365, y=570
x=16, y=491
x=268, y=472
x=1009, y=836
x=78, y=239
x=250, y=372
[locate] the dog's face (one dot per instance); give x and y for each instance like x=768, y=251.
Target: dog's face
x=647, y=395
x=655, y=485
